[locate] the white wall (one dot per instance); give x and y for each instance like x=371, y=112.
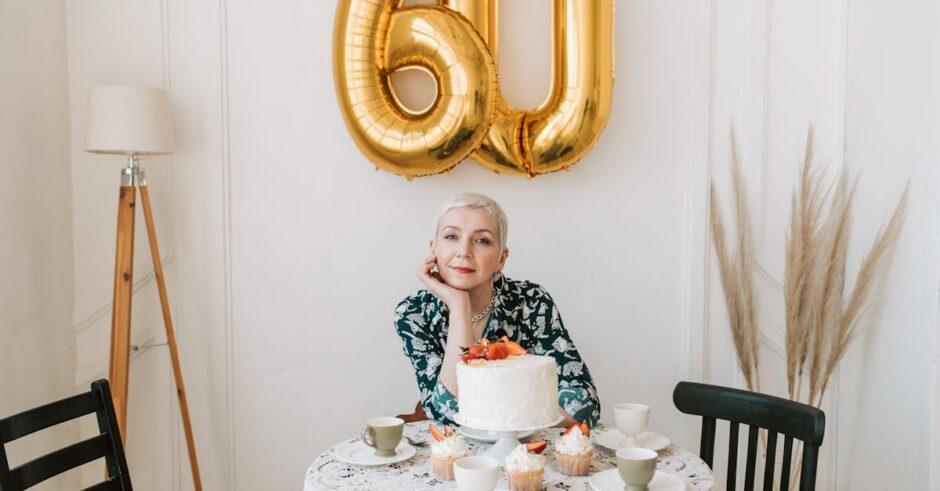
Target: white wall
x=289, y=251
x=336, y=243
x=858, y=71
x=172, y=45
x=892, y=130
x=37, y=349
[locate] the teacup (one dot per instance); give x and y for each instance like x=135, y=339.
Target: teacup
x=631, y=420
x=476, y=473
x=383, y=434
x=636, y=467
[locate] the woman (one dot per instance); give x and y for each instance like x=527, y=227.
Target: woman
x=467, y=298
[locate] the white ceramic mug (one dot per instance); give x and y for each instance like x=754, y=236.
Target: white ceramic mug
x=476, y=473
x=631, y=419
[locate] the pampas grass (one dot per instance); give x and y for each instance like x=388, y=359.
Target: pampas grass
x=874, y=266
x=806, y=206
x=820, y=323
x=737, y=273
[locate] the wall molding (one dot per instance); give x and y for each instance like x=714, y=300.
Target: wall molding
x=226, y=151
x=695, y=233
x=771, y=281
x=99, y=367
x=176, y=451
x=774, y=342
x=92, y=312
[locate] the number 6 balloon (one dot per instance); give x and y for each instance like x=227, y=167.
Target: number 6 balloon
x=455, y=42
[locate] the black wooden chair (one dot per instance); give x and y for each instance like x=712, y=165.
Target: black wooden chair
x=107, y=444
x=774, y=414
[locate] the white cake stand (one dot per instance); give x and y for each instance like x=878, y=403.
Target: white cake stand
x=506, y=440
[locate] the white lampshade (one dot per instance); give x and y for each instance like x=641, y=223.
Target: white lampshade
x=125, y=120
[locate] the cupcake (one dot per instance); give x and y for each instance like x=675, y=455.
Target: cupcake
x=448, y=448
x=525, y=467
x=574, y=451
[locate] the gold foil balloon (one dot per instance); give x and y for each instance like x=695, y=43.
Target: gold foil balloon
x=374, y=38
x=502, y=149
x=568, y=123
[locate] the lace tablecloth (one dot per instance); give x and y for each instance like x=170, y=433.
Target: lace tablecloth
x=328, y=472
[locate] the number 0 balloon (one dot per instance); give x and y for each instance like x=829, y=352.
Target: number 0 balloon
x=455, y=42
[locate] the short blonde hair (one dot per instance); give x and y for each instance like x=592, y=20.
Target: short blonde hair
x=476, y=201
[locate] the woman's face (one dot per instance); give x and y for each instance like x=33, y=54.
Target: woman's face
x=467, y=248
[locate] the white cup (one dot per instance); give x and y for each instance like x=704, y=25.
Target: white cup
x=631, y=420
x=476, y=473
x=636, y=467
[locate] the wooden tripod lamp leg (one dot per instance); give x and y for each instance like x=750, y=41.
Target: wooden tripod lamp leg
x=170, y=336
x=121, y=314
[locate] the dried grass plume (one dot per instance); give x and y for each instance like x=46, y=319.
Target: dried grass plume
x=822, y=320
x=737, y=273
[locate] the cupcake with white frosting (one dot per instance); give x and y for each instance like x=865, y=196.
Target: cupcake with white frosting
x=525, y=467
x=574, y=451
x=448, y=448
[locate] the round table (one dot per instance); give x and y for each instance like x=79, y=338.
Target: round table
x=328, y=472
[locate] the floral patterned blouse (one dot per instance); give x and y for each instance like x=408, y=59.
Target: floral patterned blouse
x=522, y=311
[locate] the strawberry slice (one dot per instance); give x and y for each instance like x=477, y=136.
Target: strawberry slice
x=536, y=447
x=496, y=351
x=470, y=356
x=585, y=429
x=515, y=349
x=476, y=350
x=436, y=434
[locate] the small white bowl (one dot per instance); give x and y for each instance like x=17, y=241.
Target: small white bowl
x=476, y=473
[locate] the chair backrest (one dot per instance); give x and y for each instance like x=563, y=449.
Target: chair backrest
x=107, y=444
x=776, y=415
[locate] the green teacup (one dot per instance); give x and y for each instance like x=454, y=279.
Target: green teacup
x=383, y=434
x=636, y=467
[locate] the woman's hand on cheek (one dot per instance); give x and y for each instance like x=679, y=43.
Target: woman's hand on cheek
x=453, y=297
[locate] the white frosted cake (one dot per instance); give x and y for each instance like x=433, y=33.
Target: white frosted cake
x=508, y=394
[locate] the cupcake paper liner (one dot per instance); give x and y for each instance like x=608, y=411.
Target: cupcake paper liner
x=525, y=480
x=443, y=467
x=573, y=465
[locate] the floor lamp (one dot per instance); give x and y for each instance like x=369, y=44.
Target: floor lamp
x=134, y=122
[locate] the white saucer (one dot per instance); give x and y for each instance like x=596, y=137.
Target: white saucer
x=487, y=436
x=356, y=452
x=609, y=480
x=613, y=439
